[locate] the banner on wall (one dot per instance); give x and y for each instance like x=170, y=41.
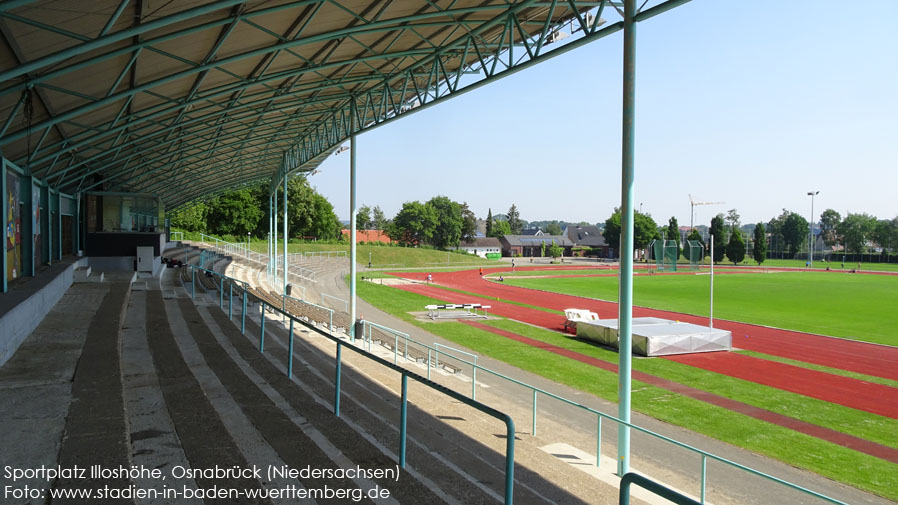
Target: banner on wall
x=36, y=223
x=13, y=226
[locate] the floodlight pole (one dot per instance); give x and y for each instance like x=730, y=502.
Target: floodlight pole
x=625, y=303
x=812, y=194
x=353, y=212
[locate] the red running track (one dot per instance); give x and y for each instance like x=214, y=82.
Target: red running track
x=859, y=444
x=861, y=357
x=874, y=398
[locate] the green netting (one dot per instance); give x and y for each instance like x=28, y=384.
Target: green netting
x=694, y=251
x=665, y=252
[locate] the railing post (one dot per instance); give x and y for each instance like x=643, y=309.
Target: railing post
x=221, y=292
x=262, y=335
x=403, y=417
x=337, y=382
x=193, y=283
x=474, y=380
x=428, y=364
x=704, y=473
x=533, y=426
x=599, y=443
x=290, y=353
x=230, y=300
x=243, y=314
x=509, y=462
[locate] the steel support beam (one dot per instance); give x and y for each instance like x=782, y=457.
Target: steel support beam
x=625, y=305
x=353, y=246
x=285, y=237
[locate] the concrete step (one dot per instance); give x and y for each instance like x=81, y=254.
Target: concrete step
x=81, y=274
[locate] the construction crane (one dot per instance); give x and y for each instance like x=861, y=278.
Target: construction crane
x=693, y=203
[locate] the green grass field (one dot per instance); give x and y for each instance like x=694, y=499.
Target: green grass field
x=387, y=257
x=825, y=458
x=854, y=306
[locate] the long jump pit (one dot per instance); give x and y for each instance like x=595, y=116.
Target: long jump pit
x=654, y=336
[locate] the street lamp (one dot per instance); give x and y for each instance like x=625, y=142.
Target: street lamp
x=811, y=194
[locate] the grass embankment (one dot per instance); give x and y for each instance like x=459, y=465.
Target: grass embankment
x=860, y=307
x=386, y=256
x=868, y=473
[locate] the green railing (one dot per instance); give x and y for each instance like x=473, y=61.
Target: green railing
x=447, y=351
x=600, y=416
x=405, y=374
x=652, y=486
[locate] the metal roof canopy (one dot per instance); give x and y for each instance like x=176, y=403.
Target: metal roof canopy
x=185, y=99
x=192, y=98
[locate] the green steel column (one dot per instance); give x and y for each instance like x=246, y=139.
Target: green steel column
x=625, y=306
x=26, y=192
x=77, y=223
x=285, y=233
x=352, y=215
x=46, y=225
x=3, y=210
x=270, y=226
x=275, y=235
x=58, y=226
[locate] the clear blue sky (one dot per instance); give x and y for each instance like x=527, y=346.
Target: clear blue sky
x=749, y=103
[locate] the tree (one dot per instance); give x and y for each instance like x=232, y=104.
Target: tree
x=489, y=223
x=794, y=231
x=447, y=230
x=190, y=217
x=322, y=222
x=673, y=233
x=555, y=250
x=542, y=249
x=885, y=234
x=308, y=213
x=732, y=218
x=553, y=228
x=469, y=223
x=414, y=224
x=235, y=213
x=378, y=220
x=363, y=218
x=828, y=222
x=514, y=220
x=500, y=229
x=736, y=246
x=855, y=230
x=759, y=251
x=718, y=237
x=644, y=230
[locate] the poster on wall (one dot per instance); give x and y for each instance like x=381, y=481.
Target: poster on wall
x=36, y=223
x=13, y=226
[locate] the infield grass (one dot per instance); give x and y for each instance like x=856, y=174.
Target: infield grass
x=857, y=306
x=831, y=460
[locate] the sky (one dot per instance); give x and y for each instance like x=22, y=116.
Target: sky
x=753, y=104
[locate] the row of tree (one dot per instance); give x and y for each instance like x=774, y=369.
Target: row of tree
x=244, y=211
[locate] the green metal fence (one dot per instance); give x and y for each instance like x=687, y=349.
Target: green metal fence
x=405, y=374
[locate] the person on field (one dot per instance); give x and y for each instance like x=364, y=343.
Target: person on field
x=481, y=271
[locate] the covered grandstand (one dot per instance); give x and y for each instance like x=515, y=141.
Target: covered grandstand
x=115, y=112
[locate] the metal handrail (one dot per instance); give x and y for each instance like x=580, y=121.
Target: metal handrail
x=652, y=486
x=600, y=416
x=486, y=409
